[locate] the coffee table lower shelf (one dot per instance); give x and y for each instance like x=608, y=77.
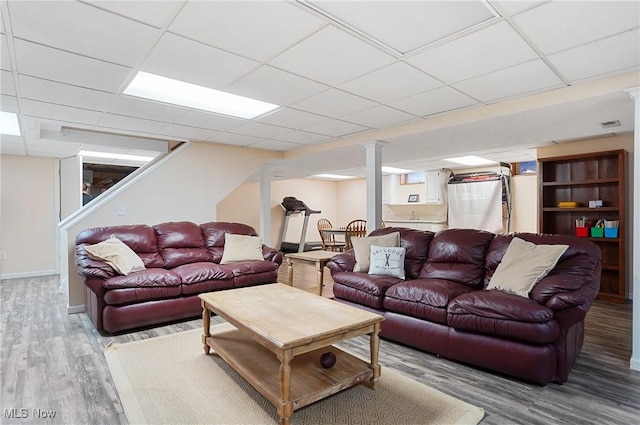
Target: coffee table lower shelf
x=309, y=381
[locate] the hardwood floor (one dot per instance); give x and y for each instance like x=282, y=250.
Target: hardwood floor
x=53, y=363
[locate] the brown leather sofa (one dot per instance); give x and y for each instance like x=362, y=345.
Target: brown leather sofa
x=182, y=260
x=442, y=306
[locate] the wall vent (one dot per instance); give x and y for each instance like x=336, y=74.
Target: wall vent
x=611, y=124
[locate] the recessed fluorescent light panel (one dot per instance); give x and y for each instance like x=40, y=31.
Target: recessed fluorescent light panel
x=121, y=156
x=167, y=90
x=394, y=170
x=9, y=124
x=470, y=160
x=332, y=176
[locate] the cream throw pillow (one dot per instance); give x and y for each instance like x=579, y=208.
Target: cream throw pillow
x=117, y=254
x=362, y=248
x=524, y=265
x=241, y=248
x=387, y=261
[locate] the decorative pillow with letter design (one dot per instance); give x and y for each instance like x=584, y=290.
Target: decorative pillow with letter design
x=241, y=248
x=387, y=261
x=524, y=265
x=362, y=248
x=117, y=254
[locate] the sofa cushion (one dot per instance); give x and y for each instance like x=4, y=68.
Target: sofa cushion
x=198, y=272
x=424, y=298
x=181, y=243
x=362, y=248
x=387, y=261
x=362, y=288
x=503, y=314
x=143, y=278
x=524, y=264
x=250, y=267
x=416, y=244
x=214, y=235
x=117, y=254
x=241, y=248
x=458, y=255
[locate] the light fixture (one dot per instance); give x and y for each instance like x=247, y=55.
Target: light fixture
x=394, y=170
x=168, y=90
x=470, y=160
x=110, y=155
x=331, y=176
x=9, y=124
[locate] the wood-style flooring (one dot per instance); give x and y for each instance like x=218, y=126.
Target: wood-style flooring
x=53, y=369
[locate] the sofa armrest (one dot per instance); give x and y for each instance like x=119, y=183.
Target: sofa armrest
x=88, y=267
x=562, y=291
x=343, y=262
x=271, y=254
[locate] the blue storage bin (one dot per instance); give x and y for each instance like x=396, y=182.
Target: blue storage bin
x=610, y=232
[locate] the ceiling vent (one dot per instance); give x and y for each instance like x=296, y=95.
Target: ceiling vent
x=611, y=124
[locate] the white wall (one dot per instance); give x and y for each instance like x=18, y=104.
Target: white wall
x=28, y=214
x=186, y=185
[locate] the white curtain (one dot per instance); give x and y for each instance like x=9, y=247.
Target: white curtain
x=476, y=205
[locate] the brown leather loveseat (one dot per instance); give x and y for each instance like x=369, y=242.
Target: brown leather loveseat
x=181, y=260
x=443, y=307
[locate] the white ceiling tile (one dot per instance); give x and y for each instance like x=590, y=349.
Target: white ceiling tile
x=196, y=63
x=559, y=25
x=9, y=104
x=514, y=7
x=135, y=107
x=303, y=137
x=336, y=128
x=58, y=112
x=122, y=122
x=5, y=61
x=64, y=94
x=156, y=13
x=261, y=130
x=334, y=103
x=186, y=132
x=518, y=80
x=379, y=117
x=258, y=30
x=237, y=139
x=80, y=28
x=210, y=121
x=392, y=82
x=292, y=118
x=275, y=86
x=6, y=83
x=44, y=62
x=613, y=54
x=331, y=56
x=433, y=102
x=483, y=51
x=276, y=145
x=407, y=25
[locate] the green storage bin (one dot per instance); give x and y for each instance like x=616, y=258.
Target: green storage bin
x=597, y=232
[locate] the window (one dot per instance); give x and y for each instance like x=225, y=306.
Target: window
x=412, y=178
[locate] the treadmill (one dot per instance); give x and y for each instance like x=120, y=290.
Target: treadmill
x=294, y=206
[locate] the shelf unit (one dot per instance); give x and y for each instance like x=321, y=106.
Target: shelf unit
x=581, y=178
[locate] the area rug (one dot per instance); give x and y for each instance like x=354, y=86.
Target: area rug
x=169, y=380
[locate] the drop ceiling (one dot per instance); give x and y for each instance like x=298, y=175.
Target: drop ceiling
x=428, y=79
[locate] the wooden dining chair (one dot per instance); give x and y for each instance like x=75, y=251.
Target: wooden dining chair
x=329, y=242
x=355, y=228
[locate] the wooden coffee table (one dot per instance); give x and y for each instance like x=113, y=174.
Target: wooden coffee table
x=278, y=336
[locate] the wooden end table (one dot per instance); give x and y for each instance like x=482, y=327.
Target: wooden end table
x=319, y=258
x=276, y=335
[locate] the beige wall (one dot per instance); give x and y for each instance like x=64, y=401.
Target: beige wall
x=186, y=185
x=351, y=201
x=524, y=203
x=243, y=206
x=28, y=220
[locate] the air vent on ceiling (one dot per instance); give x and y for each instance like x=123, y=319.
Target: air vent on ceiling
x=611, y=124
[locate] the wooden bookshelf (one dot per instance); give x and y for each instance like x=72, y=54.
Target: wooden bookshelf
x=581, y=178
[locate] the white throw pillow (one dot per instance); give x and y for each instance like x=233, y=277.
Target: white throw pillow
x=362, y=248
x=241, y=248
x=524, y=265
x=117, y=254
x=387, y=261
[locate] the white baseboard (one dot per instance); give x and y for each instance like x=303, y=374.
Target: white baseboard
x=634, y=364
x=28, y=274
x=74, y=309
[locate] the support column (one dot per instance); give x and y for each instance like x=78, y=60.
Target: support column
x=374, y=185
x=265, y=204
x=634, y=214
